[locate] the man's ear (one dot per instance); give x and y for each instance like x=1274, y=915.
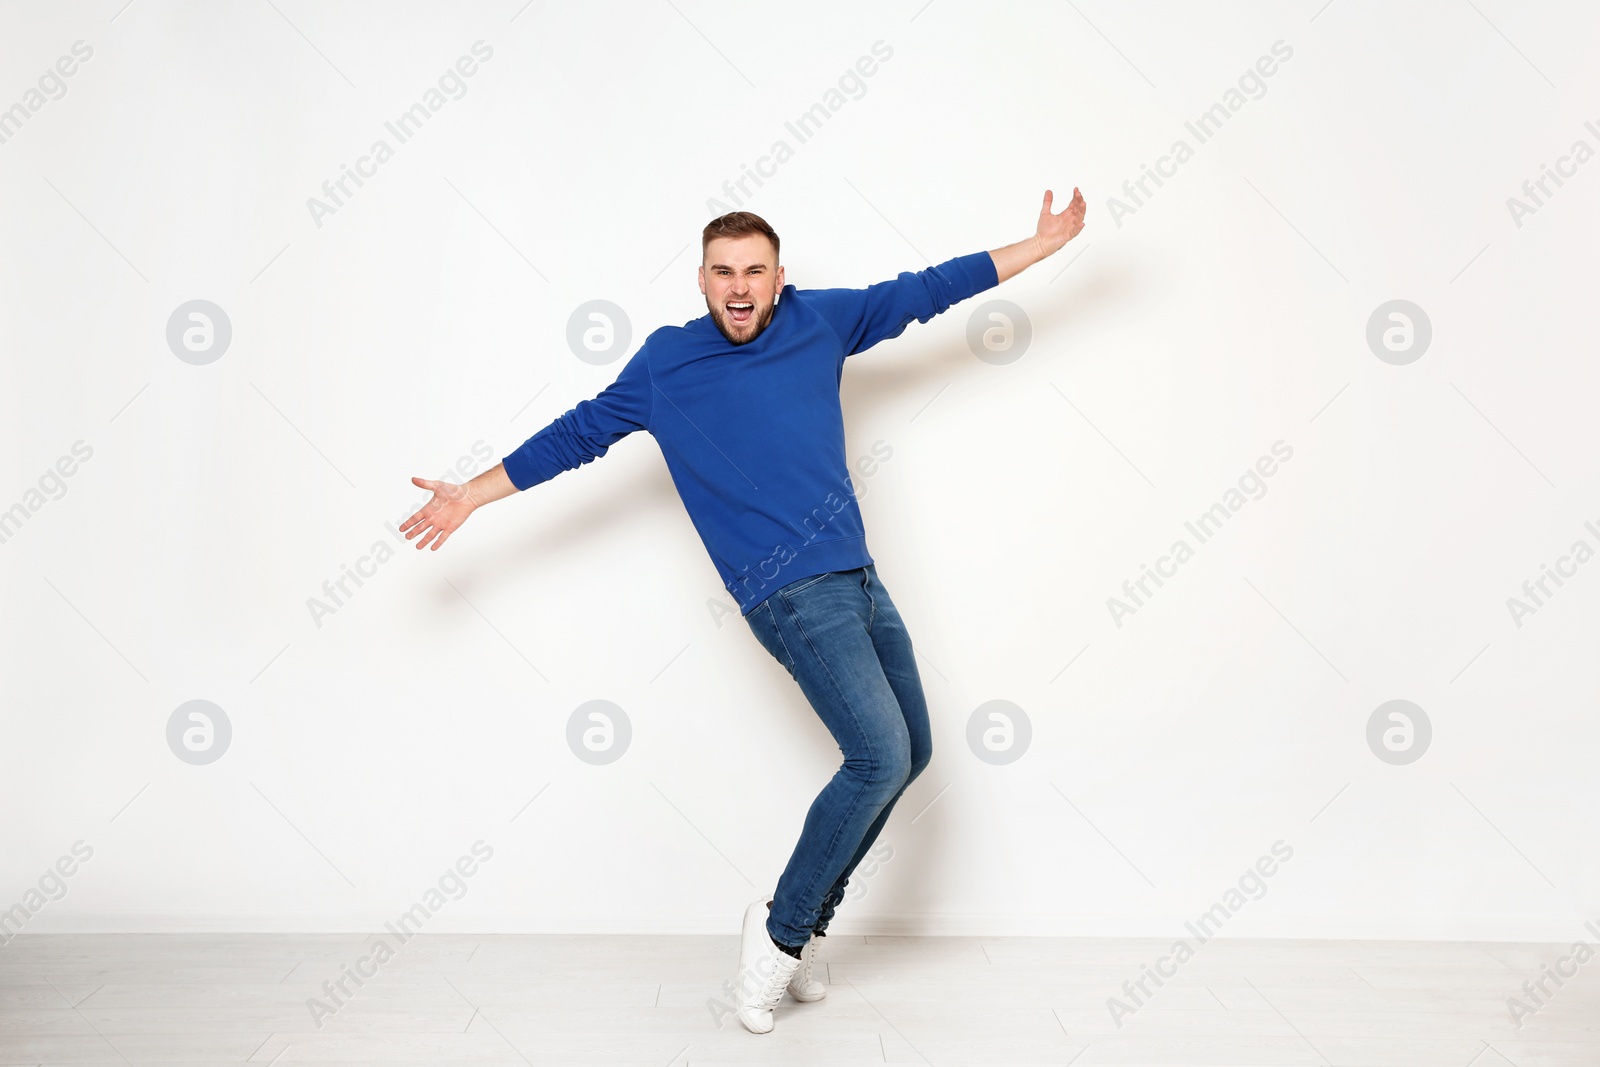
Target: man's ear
x=702, y=279
x=780, y=284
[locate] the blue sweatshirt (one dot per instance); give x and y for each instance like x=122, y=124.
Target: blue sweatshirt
x=753, y=434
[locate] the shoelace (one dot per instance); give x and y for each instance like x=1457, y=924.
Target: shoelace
x=802, y=974
x=772, y=991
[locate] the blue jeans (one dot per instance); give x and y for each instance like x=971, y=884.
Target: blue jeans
x=841, y=638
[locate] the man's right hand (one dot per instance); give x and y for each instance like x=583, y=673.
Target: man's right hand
x=438, y=518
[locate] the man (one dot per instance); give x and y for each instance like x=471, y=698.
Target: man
x=744, y=402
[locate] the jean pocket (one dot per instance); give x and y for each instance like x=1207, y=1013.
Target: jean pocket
x=802, y=584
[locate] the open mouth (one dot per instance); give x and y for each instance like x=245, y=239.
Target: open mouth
x=740, y=311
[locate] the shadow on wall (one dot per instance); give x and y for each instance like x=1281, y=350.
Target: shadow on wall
x=871, y=379
x=545, y=532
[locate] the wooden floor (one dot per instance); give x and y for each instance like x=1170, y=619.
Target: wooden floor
x=491, y=1000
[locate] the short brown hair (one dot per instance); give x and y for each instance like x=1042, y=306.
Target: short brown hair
x=737, y=224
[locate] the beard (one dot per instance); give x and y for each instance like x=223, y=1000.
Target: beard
x=741, y=334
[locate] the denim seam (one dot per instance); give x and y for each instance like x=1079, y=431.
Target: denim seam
x=872, y=604
x=781, y=642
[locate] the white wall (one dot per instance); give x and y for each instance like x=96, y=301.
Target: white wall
x=1172, y=346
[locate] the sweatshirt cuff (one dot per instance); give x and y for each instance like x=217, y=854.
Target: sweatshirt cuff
x=980, y=267
x=519, y=468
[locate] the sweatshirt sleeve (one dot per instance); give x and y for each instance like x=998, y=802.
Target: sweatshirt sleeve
x=587, y=430
x=863, y=317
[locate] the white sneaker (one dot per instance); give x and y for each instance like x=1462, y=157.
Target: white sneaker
x=802, y=986
x=764, y=971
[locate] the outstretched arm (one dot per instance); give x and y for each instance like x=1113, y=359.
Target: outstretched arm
x=1054, y=232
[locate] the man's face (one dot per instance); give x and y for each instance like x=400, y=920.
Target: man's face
x=741, y=284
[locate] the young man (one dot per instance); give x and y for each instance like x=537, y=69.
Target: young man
x=744, y=402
